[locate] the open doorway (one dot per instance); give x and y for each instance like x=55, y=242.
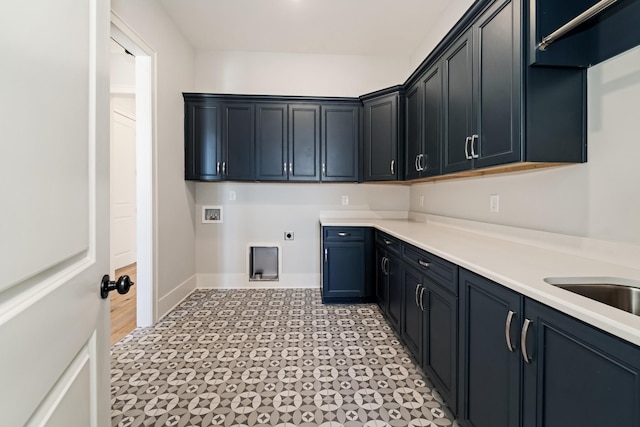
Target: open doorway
x=132, y=180
x=123, y=235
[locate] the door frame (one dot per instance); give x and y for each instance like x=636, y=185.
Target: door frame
x=146, y=166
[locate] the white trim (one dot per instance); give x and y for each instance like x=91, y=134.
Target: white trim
x=241, y=281
x=146, y=165
x=176, y=296
x=123, y=90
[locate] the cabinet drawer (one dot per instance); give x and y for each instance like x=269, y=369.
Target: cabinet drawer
x=387, y=242
x=442, y=272
x=343, y=234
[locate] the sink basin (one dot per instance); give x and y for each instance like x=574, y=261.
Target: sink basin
x=623, y=294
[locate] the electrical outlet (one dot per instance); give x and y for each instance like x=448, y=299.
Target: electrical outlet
x=345, y=200
x=421, y=200
x=288, y=235
x=232, y=195
x=494, y=203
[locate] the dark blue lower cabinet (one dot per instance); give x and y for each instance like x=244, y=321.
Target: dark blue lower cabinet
x=490, y=363
x=577, y=375
x=347, y=265
x=412, y=323
x=568, y=373
x=440, y=335
x=394, y=292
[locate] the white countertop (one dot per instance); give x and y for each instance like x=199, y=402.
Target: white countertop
x=520, y=259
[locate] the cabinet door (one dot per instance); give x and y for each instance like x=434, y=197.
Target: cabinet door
x=344, y=270
x=381, y=139
x=497, y=70
x=458, y=105
x=202, y=141
x=490, y=372
x=440, y=339
x=412, y=318
x=238, y=136
x=304, y=142
x=381, y=279
x=429, y=163
x=271, y=142
x=340, y=143
x=578, y=375
x=413, y=131
x=394, y=292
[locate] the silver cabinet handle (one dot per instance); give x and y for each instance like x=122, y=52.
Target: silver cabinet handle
x=291, y=169
x=387, y=242
x=418, y=286
x=420, y=298
x=382, y=265
x=224, y=168
x=424, y=263
x=466, y=148
x=217, y=168
x=393, y=163
x=507, y=330
x=422, y=166
x=416, y=163
x=284, y=168
x=326, y=254
x=344, y=234
x=523, y=340
x=474, y=139
x=386, y=266
x=324, y=170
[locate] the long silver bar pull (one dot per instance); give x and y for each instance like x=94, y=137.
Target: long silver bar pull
x=393, y=163
x=416, y=162
x=420, y=298
x=284, y=168
x=523, y=340
x=583, y=17
x=507, y=330
x=474, y=139
x=466, y=148
x=217, y=168
x=418, y=286
x=326, y=254
x=291, y=169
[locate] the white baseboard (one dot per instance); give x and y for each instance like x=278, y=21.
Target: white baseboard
x=241, y=281
x=173, y=298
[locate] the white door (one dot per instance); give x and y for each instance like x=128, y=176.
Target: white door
x=123, y=184
x=54, y=212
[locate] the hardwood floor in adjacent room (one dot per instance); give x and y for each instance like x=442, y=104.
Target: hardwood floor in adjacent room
x=123, y=307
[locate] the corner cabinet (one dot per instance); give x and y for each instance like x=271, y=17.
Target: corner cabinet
x=381, y=150
x=388, y=278
x=567, y=373
x=347, y=264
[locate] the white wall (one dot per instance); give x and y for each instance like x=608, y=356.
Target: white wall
x=262, y=213
x=175, y=197
x=599, y=199
x=445, y=22
x=297, y=74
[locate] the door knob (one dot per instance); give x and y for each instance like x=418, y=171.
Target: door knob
x=122, y=285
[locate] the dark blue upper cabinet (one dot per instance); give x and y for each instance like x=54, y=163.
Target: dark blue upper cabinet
x=613, y=31
x=381, y=160
x=458, y=105
x=202, y=141
x=304, y=142
x=238, y=141
x=340, y=137
x=271, y=142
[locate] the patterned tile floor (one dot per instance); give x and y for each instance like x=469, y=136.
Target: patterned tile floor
x=269, y=358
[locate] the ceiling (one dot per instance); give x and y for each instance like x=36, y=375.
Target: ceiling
x=347, y=27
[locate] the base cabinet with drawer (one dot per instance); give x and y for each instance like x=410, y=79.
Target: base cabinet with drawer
x=567, y=374
x=346, y=264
